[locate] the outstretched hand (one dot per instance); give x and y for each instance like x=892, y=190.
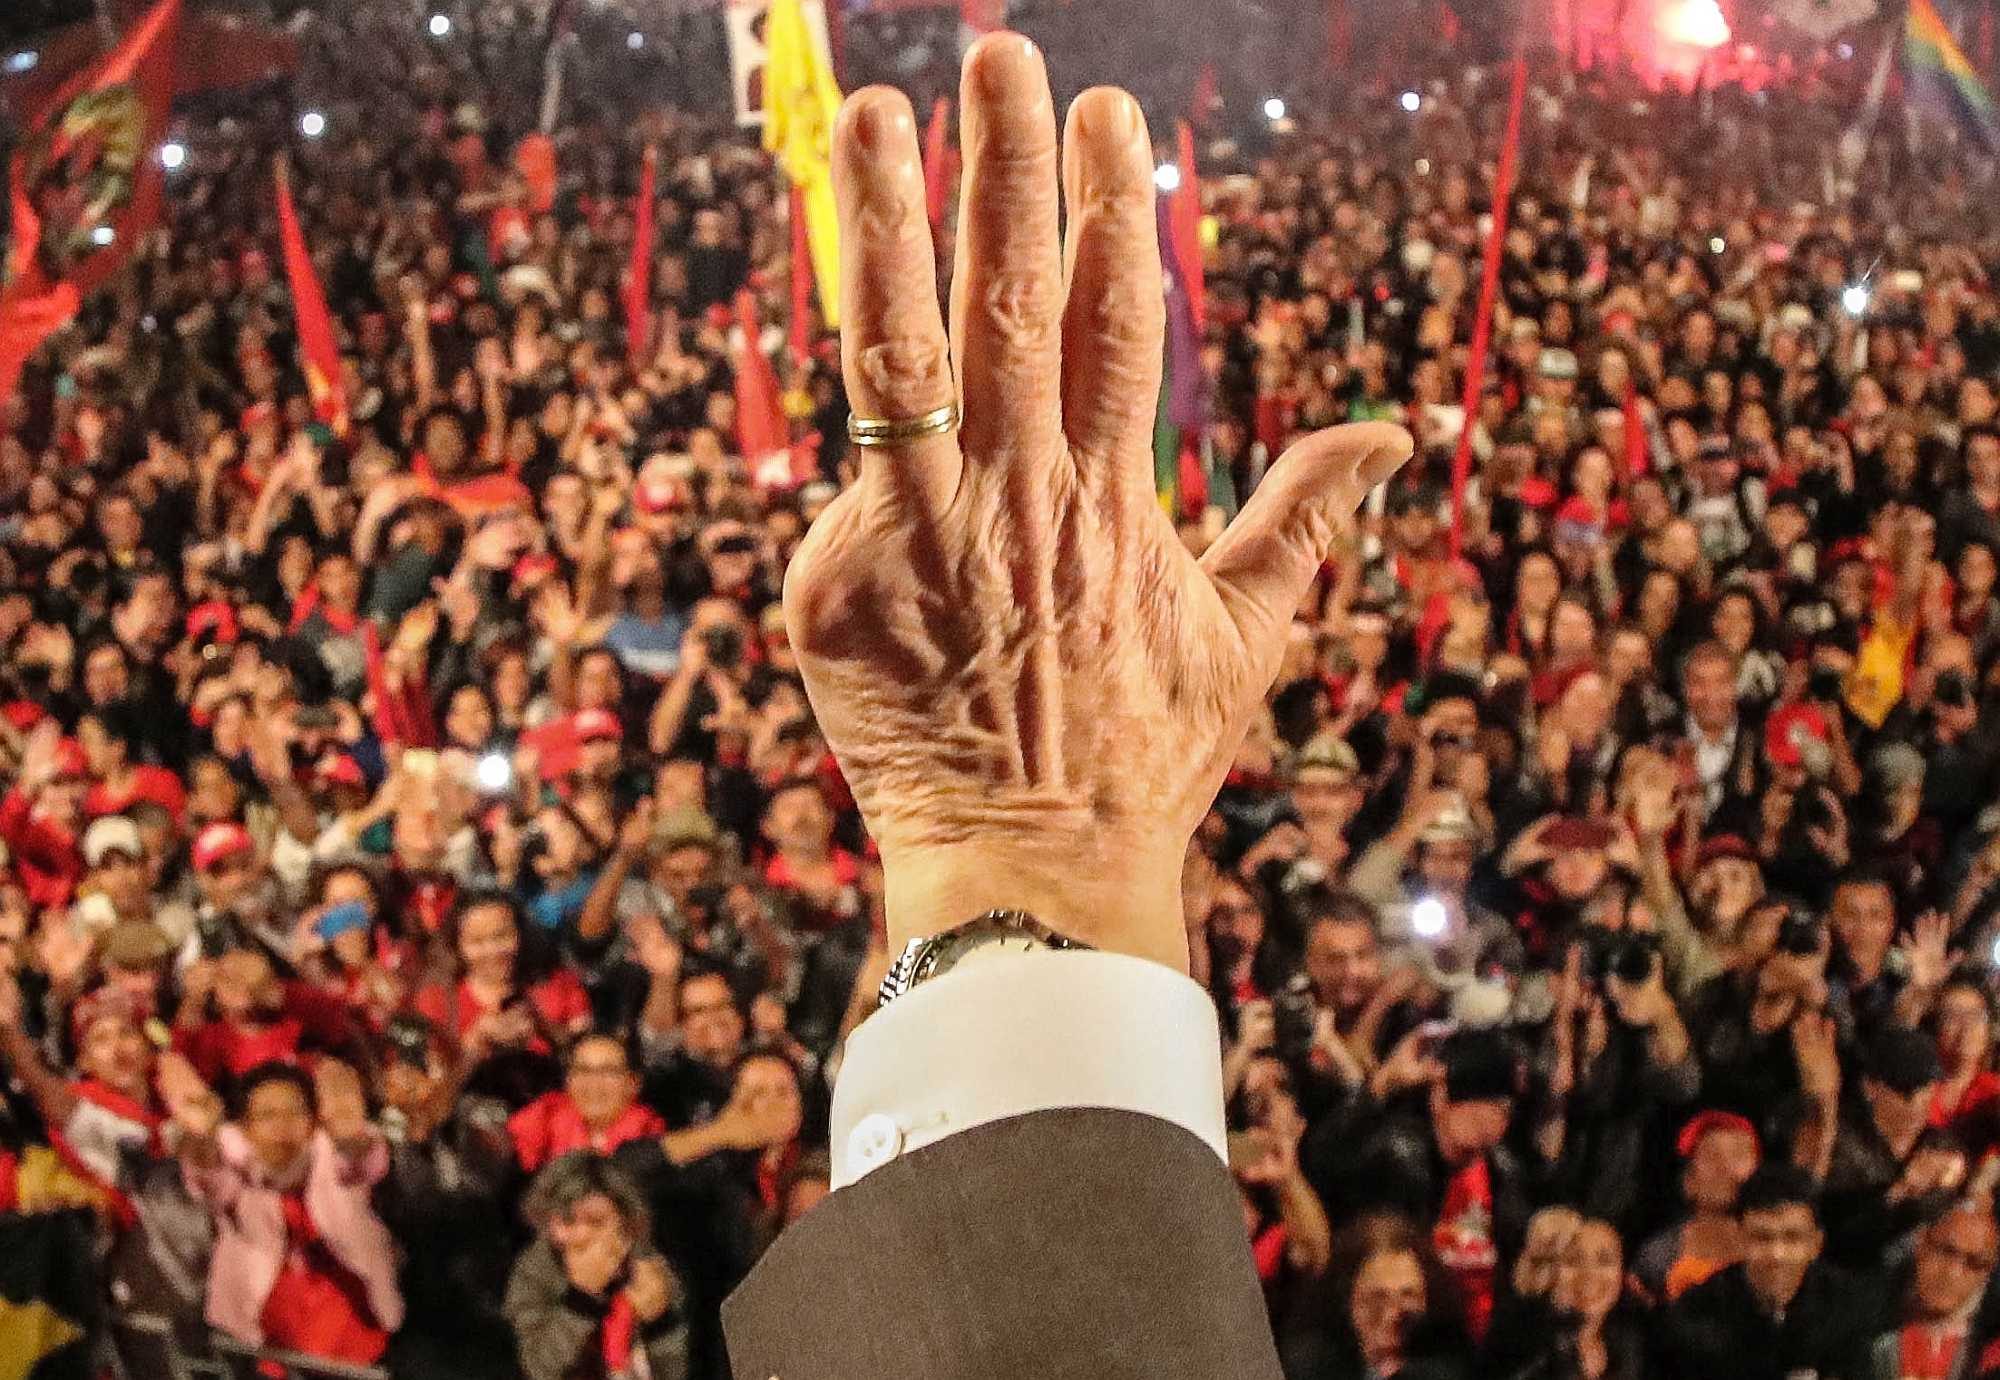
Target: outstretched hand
x=1032, y=686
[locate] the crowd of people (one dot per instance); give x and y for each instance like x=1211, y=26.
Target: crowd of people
x=430, y=916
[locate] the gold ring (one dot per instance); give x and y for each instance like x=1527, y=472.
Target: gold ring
x=867, y=431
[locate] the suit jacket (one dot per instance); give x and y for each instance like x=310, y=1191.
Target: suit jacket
x=1074, y=1244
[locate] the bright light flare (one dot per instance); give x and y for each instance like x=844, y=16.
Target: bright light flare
x=440, y=25
x=1855, y=298
x=312, y=124
x=1167, y=177
x=1697, y=23
x=1274, y=109
x=27, y=60
x=173, y=156
x=1428, y=918
x=1411, y=101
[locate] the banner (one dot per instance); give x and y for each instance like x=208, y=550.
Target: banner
x=218, y=51
x=84, y=185
x=1489, y=282
x=319, y=350
x=639, y=272
x=801, y=100
x=1938, y=75
x=749, y=50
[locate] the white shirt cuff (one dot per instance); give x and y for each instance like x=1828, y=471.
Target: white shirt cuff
x=1027, y=1032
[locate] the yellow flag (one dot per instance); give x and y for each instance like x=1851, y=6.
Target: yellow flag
x=800, y=100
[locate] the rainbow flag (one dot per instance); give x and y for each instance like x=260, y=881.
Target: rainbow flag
x=1939, y=74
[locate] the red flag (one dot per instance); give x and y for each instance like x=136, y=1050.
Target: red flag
x=760, y=417
x=319, y=352
x=1193, y=478
x=802, y=281
x=935, y=149
x=1339, y=34
x=1184, y=220
x=217, y=52
x=1482, y=322
x=1207, y=97
x=535, y=160
x=1636, y=459
x=982, y=16
x=85, y=185
x=639, y=273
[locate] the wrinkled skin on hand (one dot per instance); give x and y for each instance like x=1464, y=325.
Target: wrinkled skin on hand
x=1032, y=686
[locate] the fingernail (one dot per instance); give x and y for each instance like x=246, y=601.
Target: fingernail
x=1007, y=64
x=876, y=124
x=1113, y=117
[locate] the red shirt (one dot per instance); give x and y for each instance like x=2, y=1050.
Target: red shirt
x=1463, y=1237
x=559, y=1002
x=46, y=858
x=149, y=783
x=550, y=1127
x=317, y=1305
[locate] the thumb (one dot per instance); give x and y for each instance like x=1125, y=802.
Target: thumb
x=1262, y=565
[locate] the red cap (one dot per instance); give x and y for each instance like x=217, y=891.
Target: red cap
x=533, y=566
x=69, y=759
x=596, y=725
x=1724, y=846
x=219, y=841
x=1783, y=730
x=1703, y=1124
x=215, y=616
x=342, y=770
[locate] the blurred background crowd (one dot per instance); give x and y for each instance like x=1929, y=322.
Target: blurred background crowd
x=430, y=917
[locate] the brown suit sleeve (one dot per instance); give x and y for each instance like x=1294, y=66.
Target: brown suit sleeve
x=1077, y=1244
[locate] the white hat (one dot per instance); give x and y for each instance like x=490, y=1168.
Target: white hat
x=112, y=834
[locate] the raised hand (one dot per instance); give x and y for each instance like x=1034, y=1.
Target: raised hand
x=1032, y=687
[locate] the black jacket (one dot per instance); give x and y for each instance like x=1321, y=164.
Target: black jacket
x=1720, y=1329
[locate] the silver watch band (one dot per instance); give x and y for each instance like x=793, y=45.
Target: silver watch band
x=923, y=959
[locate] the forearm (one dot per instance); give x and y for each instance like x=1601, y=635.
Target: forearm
x=671, y=715
x=1913, y=1004
x=1812, y=1147
x=683, y=1148
x=1311, y=1238
x=600, y=907
x=661, y=1015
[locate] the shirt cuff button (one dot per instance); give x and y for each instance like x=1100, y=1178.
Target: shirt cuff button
x=874, y=1141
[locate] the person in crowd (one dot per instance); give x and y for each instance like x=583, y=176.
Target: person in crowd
x=1783, y=1309
x=589, y=1295
x=1387, y=1310
x=301, y=1261
x=1719, y=1152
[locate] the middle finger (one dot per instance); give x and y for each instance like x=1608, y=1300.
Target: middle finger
x=1007, y=285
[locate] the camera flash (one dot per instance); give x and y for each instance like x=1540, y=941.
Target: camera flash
x=1427, y=918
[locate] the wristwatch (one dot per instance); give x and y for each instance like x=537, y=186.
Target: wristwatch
x=1000, y=931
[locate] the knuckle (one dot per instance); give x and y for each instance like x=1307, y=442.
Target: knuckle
x=1021, y=308
x=905, y=373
